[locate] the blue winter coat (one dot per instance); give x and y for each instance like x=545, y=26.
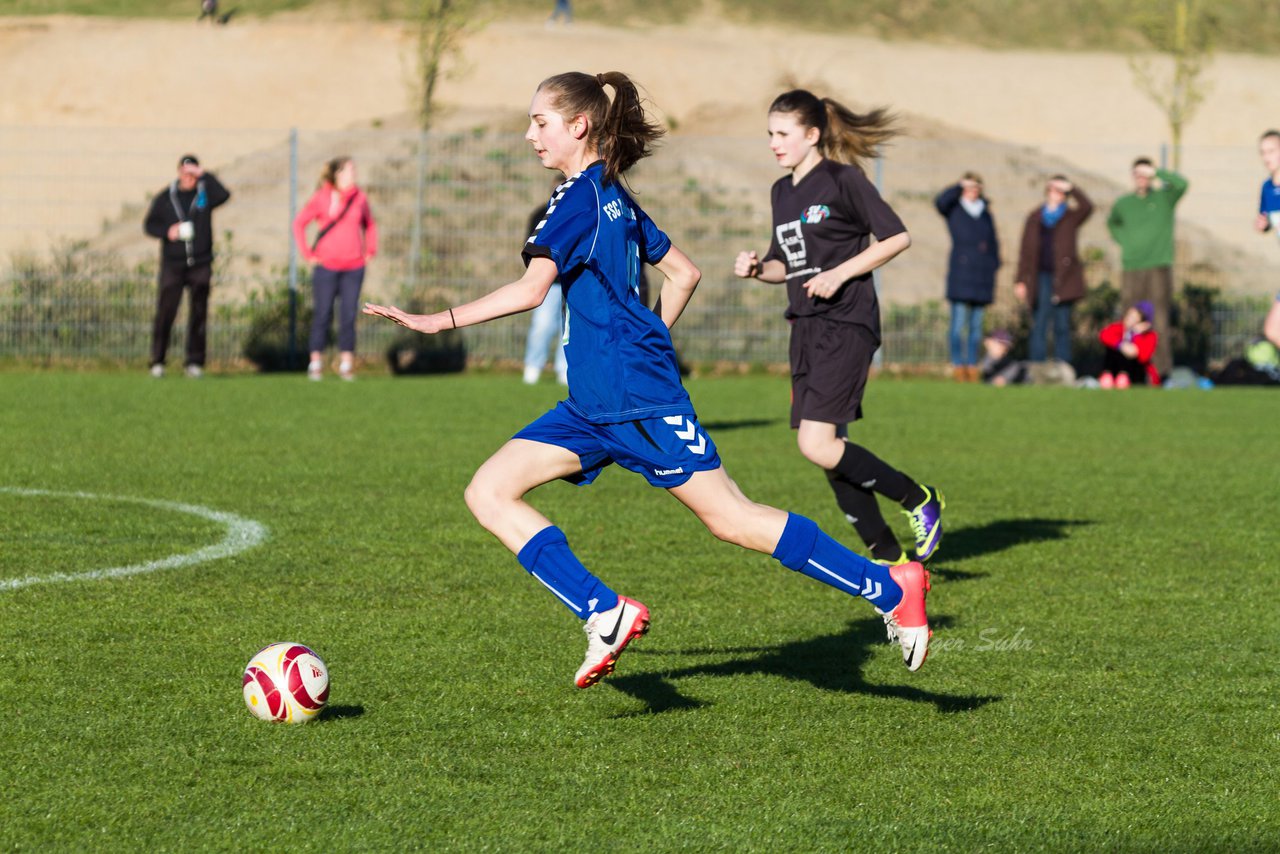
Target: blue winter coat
x=975, y=250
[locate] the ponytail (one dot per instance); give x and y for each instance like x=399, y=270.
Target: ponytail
x=844, y=136
x=620, y=130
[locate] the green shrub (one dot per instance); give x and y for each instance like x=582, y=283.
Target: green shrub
x=276, y=339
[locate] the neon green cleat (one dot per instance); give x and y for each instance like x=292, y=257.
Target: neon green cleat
x=926, y=522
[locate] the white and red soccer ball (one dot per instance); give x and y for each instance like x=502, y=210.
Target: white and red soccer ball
x=286, y=682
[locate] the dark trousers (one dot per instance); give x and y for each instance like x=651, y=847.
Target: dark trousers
x=1048, y=312
x=1114, y=362
x=344, y=286
x=174, y=277
x=1156, y=285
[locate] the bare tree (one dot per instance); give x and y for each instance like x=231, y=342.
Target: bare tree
x=441, y=25
x=1184, y=31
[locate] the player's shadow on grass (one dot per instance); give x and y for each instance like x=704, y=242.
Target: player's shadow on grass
x=740, y=424
x=965, y=543
x=830, y=663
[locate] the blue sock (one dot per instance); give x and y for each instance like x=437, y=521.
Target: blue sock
x=548, y=558
x=804, y=548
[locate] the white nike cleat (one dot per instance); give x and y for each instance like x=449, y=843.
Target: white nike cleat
x=908, y=624
x=608, y=633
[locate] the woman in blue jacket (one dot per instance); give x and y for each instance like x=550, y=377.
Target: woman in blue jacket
x=971, y=274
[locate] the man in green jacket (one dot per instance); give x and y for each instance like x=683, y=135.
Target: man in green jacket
x=1142, y=223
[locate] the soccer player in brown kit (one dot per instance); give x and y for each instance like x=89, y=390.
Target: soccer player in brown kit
x=825, y=213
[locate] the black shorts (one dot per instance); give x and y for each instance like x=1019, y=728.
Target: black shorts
x=830, y=362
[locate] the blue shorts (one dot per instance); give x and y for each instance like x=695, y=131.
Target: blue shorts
x=667, y=451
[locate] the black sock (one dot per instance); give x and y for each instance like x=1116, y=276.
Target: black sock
x=863, y=468
x=863, y=512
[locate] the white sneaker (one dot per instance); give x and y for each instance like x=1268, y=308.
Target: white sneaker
x=608, y=633
x=532, y=375
x=315, y=371
x=346, y=371
x=195, y=372
x=157, y=371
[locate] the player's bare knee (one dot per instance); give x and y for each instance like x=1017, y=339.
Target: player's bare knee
x=482, y=500
x=821, y=453
x=725, y=527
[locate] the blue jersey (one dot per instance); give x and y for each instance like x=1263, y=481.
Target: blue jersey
x=622, y=366
x=1270, y=204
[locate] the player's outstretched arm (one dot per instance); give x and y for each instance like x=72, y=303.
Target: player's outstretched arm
x=522, y=295
x=682, y=277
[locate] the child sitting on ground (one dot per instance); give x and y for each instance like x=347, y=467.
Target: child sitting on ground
x=998, y=366
x=1129, y=345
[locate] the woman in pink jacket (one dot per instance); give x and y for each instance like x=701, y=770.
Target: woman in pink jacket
x=346, y=238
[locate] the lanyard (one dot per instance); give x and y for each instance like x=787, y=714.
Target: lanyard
x=196, y=202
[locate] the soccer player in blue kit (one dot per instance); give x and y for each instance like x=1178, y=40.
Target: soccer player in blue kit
x=626, y=403
x=824, y=215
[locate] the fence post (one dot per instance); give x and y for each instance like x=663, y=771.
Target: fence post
x=415, y=239
x=1164, y=155
x=291, y=353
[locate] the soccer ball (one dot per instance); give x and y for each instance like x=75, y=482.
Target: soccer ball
x=286, y=682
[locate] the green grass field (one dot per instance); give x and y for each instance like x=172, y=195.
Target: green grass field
x=1104, y=604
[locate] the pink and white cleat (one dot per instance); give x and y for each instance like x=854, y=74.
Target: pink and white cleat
x=608, y=633
x=908, y=624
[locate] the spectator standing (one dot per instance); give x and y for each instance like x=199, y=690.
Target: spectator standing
x=1128, y=345
x=181, y=218
x=1269, y=205
x=1269, y=219
x=1142, y=223
x=347, y=238
x=563, y=10
x=545, y=325
x=1271, y=326
x=1050, y=278
x=971, y=271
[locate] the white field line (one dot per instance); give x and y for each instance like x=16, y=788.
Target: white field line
x=242, y=534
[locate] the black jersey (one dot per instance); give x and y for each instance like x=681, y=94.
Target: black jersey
x=819, y=224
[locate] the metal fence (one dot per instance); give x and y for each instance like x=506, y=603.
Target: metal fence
x=77, y=274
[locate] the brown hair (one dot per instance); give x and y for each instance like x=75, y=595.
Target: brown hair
x=329, y=174
x=1267, y=133
x=619, y=129
x=843, y=135
x=971, y=176
x=1142, y=161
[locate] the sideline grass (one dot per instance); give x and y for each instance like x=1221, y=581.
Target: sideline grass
x=1104, y=602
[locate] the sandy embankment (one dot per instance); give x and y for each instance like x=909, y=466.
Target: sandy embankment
x=82, y=97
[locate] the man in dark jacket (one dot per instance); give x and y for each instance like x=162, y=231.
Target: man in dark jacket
x=1050, y=277
x=181, y=218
